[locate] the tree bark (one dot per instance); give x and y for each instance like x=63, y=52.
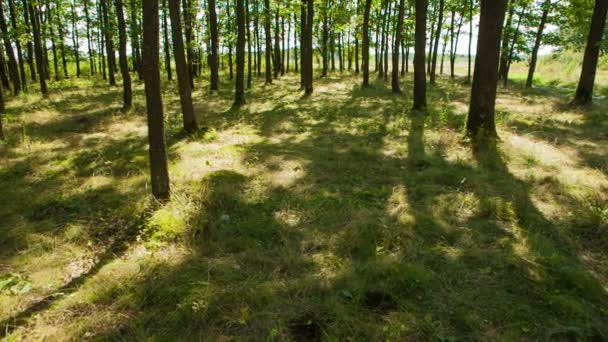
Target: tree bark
x=38, y=47
x=181, y=66
x=397, y=46
x=584, y=91
x=365, y=43
x=485, y=79
x=437, y=38
x=123, y=59
x=213, y=56
x=107, y=29
x=12, y=62
x=419, y=57
x=75, y=37
x=268, y=54
x=156, y=130
x=21, y=60
x=239, y=94
x=166, y=46
x=537, y=42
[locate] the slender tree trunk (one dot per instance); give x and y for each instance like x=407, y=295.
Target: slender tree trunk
x=213, y=57
x=505, y=78
x=181, y=67
x=166, y=46
x=288, y=51
x=38, y=47
x=365, y=43
x=504, y=50
x=584, y=92
x=485, y=79
x=30, y=45
x=437, y=38
x=107, y=28
x=419, y=57
x=325, y=40
x=230, y=62
x=357, y=27
x=123, y=59
x=277, y=45
x=61, y=32
x=21, y=60
x=537, y=43
x=249, y=53
x=397, y=45
x=470, y=53
x=13, y=67
x=239, y=94
x=2, y=109
x=156, y=130
x=267, y=21
x=75, y=37
x=308, y=87
x=189, y=40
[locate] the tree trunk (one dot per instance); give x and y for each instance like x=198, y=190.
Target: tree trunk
x=123, y=59
x=239, y=94
x=30, y=45
x=181, y=66
x=397, y=46
x=249, y=53
x=469, y=70
x=13, y=67
x=365, y=43
x=156, y=130
x=166, y=46
x=107, y=28
x=213, y=56
x=38, y=47
x=189, y=40
x=277, y=45
x=268, y=56
x=325, y=40
x=505, y=78
x=308, y=87
x=483, y=93
x=437, y=38
x=537, y=42
x=419, y=56
x=75, y=42
x=584, y=92
x=21, y=60
x=504, y=50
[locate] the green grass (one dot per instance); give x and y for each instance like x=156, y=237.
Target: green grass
x=343, y=216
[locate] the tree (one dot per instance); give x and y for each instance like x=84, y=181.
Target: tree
x=17, y=40
x=537, y=43
x=309, y=48
x=268, y=41
x=156, y=130
x=437, y=37
x=181, y=66
x=584, y=91
x=75, y=42
x=213, y=56
x=485, y=79
x=419, y=57
x=122, y=55
x=12, y=62
x=397, y=45
x=40, y=63
x=108, y=36
x=239, y=95
x=1, y=112
x=365, y=43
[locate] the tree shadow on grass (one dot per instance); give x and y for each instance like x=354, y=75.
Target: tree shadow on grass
x=337, y=234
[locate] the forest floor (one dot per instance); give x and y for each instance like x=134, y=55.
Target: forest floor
x=343, y=216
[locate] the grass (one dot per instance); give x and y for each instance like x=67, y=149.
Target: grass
x=343, y=216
